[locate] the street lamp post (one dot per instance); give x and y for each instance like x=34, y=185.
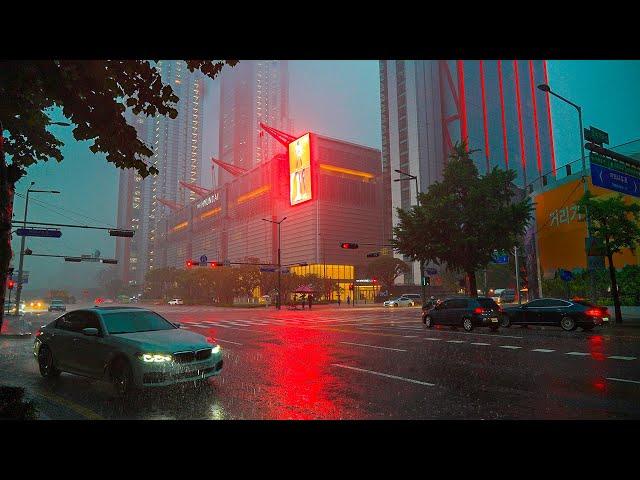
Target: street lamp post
x=278, y=302
x=547, y=89
x=24, y=238
x=408, y=176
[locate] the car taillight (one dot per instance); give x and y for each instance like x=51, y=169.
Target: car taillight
x=593, y=312
x=478, y=310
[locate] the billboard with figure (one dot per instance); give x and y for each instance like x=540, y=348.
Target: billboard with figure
x=300, y=170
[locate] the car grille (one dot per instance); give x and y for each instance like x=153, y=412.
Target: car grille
x=203, y=354
x=188, y=357
x=184, y=357
x=192, y=373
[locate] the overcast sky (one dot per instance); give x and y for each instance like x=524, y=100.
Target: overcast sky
x=339, y=99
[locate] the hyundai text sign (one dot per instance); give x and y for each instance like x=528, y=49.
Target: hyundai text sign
x=208, y=201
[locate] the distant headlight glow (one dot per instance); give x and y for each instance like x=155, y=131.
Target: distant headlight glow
x=154, y=357
x=215, y=349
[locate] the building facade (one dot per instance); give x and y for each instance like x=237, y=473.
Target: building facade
x=250, y=93
x=332, y=195
x=429, y=105
x=177, y=154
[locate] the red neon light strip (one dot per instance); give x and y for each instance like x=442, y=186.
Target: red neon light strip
x=522, y=152
x=535, y=116
x=484, y=115
x=463, y=105
x=504, y=123
x=553, y=153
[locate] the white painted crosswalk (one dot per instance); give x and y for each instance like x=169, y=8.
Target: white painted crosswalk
x=304, y=322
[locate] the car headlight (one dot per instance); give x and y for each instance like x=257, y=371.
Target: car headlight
x=215, y=349
x=154, y=357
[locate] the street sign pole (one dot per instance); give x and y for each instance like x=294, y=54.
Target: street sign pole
x=515, y=253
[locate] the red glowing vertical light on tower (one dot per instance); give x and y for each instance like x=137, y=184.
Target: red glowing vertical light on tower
x=553, y=153
x=462, y=103
x=522, y=151
x=484, y=115
x=535, y=116
x=504, y=123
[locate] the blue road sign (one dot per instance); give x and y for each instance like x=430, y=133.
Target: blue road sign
x=203, y=259
x=500, y=259
x=613, y=180
x=38, y=232
x=431, y=271
x=566, y=275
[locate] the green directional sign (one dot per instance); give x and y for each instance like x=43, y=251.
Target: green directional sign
x=595, y=135
x=614, y=164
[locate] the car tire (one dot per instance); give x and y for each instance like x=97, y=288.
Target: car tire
x=467, y=324
x=505, y=321
x=428, y=321
x=121, y=377
x=568, y=324
x=46, y=363
x=396, y=305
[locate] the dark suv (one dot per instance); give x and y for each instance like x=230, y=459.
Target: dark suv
x=467, y=312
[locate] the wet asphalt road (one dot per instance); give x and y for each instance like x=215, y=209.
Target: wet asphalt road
x=363, y=363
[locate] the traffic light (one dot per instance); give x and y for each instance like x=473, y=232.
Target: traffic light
x=216, y=264
x=351, y=286
x=426, y=281
x=373, y=254
x=190, y=263
x=350, y=246
x=374, y=280
x=10, y=284
x=117, y=232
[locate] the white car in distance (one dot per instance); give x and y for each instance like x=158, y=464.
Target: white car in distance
x=400, y=302
x=176, y=301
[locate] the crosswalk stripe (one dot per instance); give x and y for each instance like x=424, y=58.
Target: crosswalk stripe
x=581, y=354
x=618, y=357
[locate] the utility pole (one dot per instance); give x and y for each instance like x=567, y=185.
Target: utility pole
x=279, y=301
x=515, y=253
x=22, y=242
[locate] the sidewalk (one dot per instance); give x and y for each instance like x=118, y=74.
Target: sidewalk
x=15, y=326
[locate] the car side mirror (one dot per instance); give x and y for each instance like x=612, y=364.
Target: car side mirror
x=178, y=325
x=91, y=332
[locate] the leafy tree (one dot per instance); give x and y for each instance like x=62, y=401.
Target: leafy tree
x=160, y=282
x=247, y=280
x=386, y=269
x=464, y=218
x=92, y=95
x=616, y=224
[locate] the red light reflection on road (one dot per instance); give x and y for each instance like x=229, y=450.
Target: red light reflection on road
x=596, y=347
x=297, y=375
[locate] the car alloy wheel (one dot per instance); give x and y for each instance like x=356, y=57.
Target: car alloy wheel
x=428, y=321
x=568, y=324
x=396, y=305
x=45, y=363
x=467, y=324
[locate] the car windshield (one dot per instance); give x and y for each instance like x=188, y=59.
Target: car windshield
x=487, y=303
x=54, y=302
x=132, y=322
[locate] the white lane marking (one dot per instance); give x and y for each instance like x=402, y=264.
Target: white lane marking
x=373, y=346
x=510, y=347
x=409, y=336
x=227, y=341
x=411, y=380
x=456, y=341
x=432, y=339
x=479, y=343
x=623, y=380
x=542, y=350
x=618, y=357
x=579, y=354
x=236, y=324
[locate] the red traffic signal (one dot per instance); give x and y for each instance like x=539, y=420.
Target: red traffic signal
x=216, y=264
x=10, y=284
x=190, y=263
x=349, y=245
x=351, y=286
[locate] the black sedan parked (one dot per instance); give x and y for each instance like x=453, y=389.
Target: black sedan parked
x=467, y=312
x=554, y=311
